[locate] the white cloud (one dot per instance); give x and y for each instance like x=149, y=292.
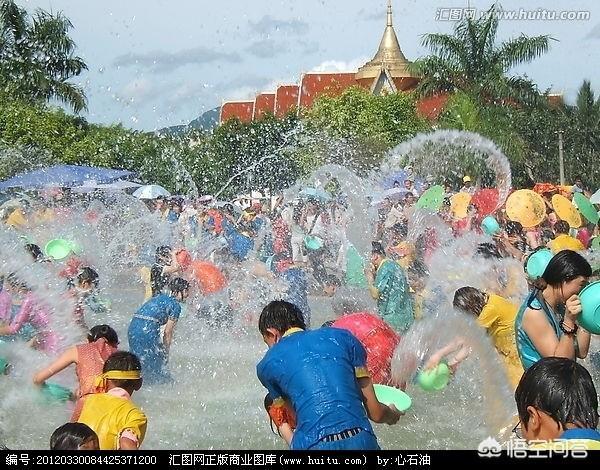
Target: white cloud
x=138, y=91
x=167, y=61
x=269, y=25
x=267, y=48
x=340, y=65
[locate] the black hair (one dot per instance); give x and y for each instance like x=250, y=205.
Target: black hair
x=418, y=268
x=280, y=315
x=488, y=251
x=35, y=251
x=163, y=251
x=122, y=360
x=400, y=229
x=565, y=266
x=514, y=228
x=88, y=274
x=562, y=389
x=70, y=436
x=470, y=300
x=13, y=281
x=331, y=280
x=562, y=227
x=377, y=247
x=178, y=284
x=103, y=331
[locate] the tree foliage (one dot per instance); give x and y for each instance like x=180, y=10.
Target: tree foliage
x=471, y=61
x=37, y=57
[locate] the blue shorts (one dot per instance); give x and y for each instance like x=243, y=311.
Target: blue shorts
x=364, y=440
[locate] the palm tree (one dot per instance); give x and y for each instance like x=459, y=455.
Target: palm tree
x=470, y=61
x=37, y=57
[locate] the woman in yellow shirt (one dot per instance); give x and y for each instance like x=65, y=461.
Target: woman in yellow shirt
x=497, y=316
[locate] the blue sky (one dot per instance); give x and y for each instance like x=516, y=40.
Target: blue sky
x=157, y=63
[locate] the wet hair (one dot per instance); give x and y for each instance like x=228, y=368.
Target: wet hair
x=470, y=300
x=562, y=389
x=377, y=248
x=71, y=436
x=122, y=360
x=400, y=229
x=331, y=280
x=13, y=281
x=88, y=274
x=178, y=284
x=488, y=251
x=103, y=331
x=514, y=228
x=565, y=266
x=162, y=252
x=280, y=315
x=562, y=227
x=418, y=268
x=35, y=251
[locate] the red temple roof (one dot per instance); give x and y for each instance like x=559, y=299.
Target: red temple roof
x=242, y=110
x=263, y=104
x=286, y=98
x=314, y=84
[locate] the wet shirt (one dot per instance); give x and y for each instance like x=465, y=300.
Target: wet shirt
x=498, y=318
x=317, y=372
x=528, y=353
x=394, y=303
x=113, y=416
x=160, y=309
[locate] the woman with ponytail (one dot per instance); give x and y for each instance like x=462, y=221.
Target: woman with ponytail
x=546, y=324
x=89, y=359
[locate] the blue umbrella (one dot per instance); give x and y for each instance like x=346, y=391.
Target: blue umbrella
x=316, y=193
x=67, y=176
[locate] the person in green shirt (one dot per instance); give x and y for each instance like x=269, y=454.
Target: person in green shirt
x=387, y=284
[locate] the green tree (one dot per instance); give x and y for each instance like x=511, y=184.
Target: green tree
x=27, y=125
x=471, y=61
x=583, y=135
x=368, y=125
x=465, y=113
x=37, y=56
x=255, y=155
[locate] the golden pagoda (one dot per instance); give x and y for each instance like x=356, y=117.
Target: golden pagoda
x=388, y=71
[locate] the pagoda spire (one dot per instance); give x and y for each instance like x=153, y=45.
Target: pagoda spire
x=389, y=57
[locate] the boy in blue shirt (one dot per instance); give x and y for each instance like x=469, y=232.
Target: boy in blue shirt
x=323, y=375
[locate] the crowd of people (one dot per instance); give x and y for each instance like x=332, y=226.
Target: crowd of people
x=319, y=378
